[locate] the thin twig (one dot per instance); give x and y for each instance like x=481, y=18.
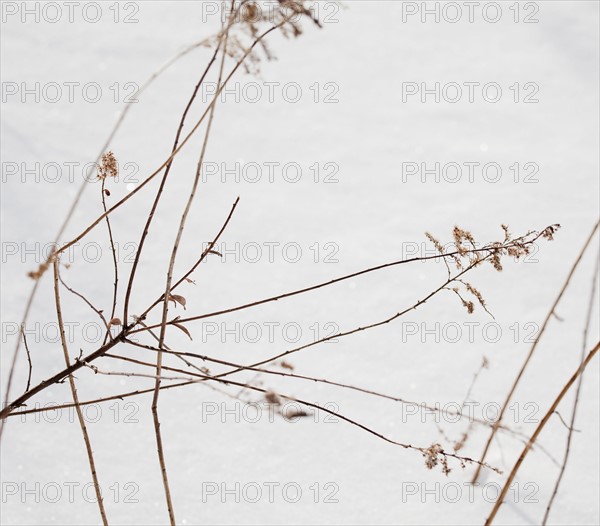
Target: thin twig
x=536, y=433
x=86, y=438
x=365, y=327
x=535, y=344
x=77, y=199
x=159, y=192
x=13, y=363
x=127, y=330
x=28, y=358
x=240, y=367
x=571, y=426
x=85, y=300
x=167, y=296
x=115, y=263
x=202, y=257
x=319, y=408
x=487, y=249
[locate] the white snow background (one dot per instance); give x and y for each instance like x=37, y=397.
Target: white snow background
x=371, y=214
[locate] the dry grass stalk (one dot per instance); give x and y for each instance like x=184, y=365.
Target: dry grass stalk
x=537, y=432
x=86, y=438
x=538, y=337
x=571, y=425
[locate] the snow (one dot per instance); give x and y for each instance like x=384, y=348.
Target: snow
x=375, y=213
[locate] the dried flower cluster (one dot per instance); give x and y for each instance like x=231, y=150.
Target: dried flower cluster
x=108, y=166
x=252, y=18
x=460, y=236
x=467, y=254
x=434, y=455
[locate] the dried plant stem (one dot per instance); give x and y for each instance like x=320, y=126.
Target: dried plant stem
x=311, y=288
x=185, y=140
x=111, y=209
x=157, y=198
x=13, y=363
x=202, y=378
x=203, y=256
x=167, y=294
x=90, y=227
x=128, y=330
x=571, y=426
x=28, y=358
x=299, y=377
x=86, y=438
x=77, y=199
x=363, y=328
x=537, y=432
x=85, y=300
x=550, y=314
x=120, y=396
x=114, y=258
x=127, y=374
x=41, y=386
x=19, y=401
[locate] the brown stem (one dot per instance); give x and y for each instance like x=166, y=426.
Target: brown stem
x=534, y=347
x=115, y=263
x=150, y=217
x=59, y=376
x=241, y=367
x=77, y=199
x=167, y=294
x=571, y=425
x=306, y=403
x=86, y=438
x=536, y=433
x=486, y=249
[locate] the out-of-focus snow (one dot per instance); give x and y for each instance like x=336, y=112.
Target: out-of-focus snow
x=372, y=215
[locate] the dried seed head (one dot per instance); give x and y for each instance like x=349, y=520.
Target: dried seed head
x=495, y=260
x=438, y=246
x=434, y=455
x=108, y=166
x=469, y=306
x=476, y=293
x=460, y=236
x=549, y=232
